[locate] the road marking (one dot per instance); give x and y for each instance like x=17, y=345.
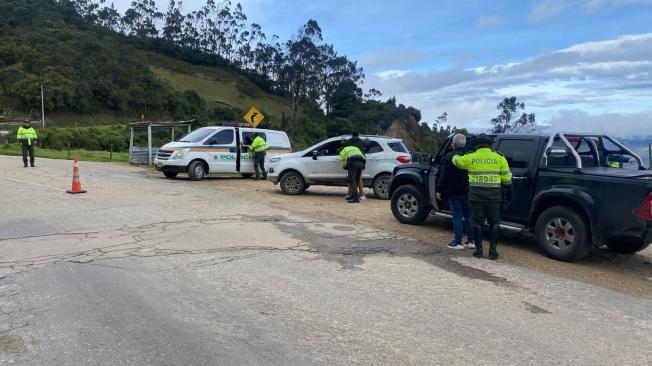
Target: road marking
x=34, y=184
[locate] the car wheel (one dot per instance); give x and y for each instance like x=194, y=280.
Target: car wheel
x=196, y=170
x=170, y=174
x=409, y=206
x=626, y=244
x=562, y=234
x=292, y=183
x=381, y=186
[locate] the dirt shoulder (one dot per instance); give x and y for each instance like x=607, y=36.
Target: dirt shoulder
x=629, y=274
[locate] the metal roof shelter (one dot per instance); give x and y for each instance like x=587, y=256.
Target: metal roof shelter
x=148, y=125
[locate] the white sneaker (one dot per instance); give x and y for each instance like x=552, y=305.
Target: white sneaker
x=469, y=245
x=455, y=246
x=363, y=198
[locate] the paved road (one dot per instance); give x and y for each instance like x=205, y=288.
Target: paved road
x=147, y=271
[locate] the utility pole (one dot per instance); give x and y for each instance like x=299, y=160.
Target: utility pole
x=649, y=152
x=42, y=108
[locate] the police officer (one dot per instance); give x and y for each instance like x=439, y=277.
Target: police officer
x=352, y=159
x=361, y=144
x=259, y=148
x=490, y=182
x=26, y=138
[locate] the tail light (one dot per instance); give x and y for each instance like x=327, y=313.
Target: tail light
x=404, y=159
x=645, y=211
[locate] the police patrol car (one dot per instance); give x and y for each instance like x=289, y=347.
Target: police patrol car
x=217, y=149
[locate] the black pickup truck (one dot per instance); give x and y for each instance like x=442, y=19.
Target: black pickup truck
x=574, y=192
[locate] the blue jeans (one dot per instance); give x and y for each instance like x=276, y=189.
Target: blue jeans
x=461, y=210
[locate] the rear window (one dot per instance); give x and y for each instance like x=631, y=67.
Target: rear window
x=197, y=135
x=398, y=147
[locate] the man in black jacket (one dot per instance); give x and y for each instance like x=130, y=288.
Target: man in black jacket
x=453, y=184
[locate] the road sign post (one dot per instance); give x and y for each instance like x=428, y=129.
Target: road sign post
x=254, y=117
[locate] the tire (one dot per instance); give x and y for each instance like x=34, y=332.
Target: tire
x=381, y=186
x=292, y=183
x=409, y=206
x=196, y=170
x=563, y=234
x=246, y=175
x=626, y=244
x=170, y=174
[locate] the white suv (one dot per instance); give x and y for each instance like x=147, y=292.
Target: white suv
x=320, y=165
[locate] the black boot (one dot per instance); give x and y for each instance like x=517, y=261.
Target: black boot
x=493, y=244
x=478, y=251
x=493, y=254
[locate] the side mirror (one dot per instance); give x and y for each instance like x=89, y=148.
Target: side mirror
x=315, y=154
x=211, y=142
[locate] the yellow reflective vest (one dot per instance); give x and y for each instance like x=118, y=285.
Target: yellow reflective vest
x=488, y=172
x=26, y=134
x=258, y=144
x=349, y=152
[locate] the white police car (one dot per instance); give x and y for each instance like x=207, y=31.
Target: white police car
x=216, y=149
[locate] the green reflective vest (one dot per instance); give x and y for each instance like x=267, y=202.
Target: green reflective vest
x=488, y=171
x=349, y=152
x=258, y=144
x=26, y=134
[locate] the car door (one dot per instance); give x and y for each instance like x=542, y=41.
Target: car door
x=247, y=159
x=325, y=163
x=520, y=154
x=221, y=147
x=374, y=155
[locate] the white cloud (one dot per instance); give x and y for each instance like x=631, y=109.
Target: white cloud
x=392, y=74
x=545, y=10
x=611, y=78
x=489, y=21
x=616, y=124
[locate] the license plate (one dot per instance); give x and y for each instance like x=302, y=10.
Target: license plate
x=159, y=164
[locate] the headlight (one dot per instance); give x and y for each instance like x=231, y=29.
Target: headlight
x=275, y=160
x=179, y=154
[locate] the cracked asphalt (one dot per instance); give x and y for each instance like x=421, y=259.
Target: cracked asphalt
x=147, y=271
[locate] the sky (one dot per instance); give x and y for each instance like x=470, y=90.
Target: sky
x=580, y=65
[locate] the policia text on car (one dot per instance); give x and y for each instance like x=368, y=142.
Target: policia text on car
x=490, y=182
x=26, y=138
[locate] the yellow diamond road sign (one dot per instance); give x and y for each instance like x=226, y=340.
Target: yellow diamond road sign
x=254, y=117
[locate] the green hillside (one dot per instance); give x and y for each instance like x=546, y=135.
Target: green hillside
x=219, y=87
x=101, y=70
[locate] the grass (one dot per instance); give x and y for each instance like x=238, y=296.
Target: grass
x=222, y=87
x=84, y=155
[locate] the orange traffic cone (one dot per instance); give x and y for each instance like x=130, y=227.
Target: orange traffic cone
x=76, y=184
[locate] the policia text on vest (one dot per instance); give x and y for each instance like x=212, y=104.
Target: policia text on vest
x=26, y=138
x=489, y=179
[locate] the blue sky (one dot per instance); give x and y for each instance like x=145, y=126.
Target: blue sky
x=578, y=64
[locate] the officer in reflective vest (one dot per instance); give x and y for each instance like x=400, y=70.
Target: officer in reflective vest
x=259, y=147
x=352, y=159
x=26, y=138
x=490, y=182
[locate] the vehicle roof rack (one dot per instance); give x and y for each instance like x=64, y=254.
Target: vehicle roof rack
x=236, y=124
x=576, y=155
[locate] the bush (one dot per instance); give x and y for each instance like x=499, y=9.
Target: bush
x=89, y=138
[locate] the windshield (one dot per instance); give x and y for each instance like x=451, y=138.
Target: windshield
x=197, y=135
